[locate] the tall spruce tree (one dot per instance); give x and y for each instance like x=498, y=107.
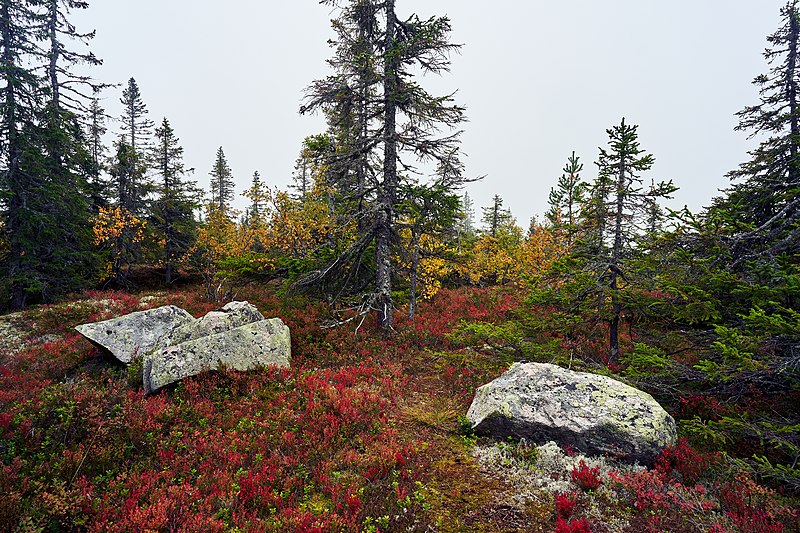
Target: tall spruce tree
x=20, y=102
x=177, y=200
x=137, y=127
x=624, y=213
x=221, y=183
x=45, y=165
x=66, y=159
x=764, y=205
x=378, y=116
x=129, y=164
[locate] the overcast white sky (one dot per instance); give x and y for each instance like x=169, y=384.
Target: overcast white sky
x=539, y=78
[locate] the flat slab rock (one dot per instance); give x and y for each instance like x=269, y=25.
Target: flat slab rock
x=595, y=414
x=258, y=344
x=174, y=345
x=135, y=334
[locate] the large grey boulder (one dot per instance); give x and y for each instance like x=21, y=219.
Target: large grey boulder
x=135, y=334
x=592, y=413
x=257, y=344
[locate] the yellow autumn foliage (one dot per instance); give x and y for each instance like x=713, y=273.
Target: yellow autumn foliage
x=433, y=267
x=112, y=223
x=510, y=258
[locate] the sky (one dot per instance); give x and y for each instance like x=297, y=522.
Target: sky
x=539, y=79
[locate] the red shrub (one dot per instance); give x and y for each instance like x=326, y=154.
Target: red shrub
x=586, y=478
x=573, y=526
x=705, y=407
x=686, y=462
x=751, y=507
x=565, y=504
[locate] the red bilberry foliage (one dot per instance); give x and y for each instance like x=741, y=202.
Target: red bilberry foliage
x=585, y=477
x=686, y=463
x=565, y=504
x=573, y=526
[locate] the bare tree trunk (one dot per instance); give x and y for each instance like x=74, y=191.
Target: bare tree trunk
x=55, y=52
x=614, y=266
x=791, y=86
x=388, y=191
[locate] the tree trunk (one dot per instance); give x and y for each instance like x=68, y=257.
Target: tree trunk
x=388, y=191
x=791, y=85
x=55, y=53
x=614, y=266
x=613, y=328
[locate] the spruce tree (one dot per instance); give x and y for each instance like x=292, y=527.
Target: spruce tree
x=763, y=205
x=464, y=226
x=496, y=217
x=130, y=183
x=98, y=186
x=624, y=213
x=134, y=119
x=426, y=211
x=378, y=116
x=45, y=168
x=257, y=197
x=566, y=200
x=177, y=200
x=221, y=183
x=67, y=161
x=20, y=101
x=130, y=191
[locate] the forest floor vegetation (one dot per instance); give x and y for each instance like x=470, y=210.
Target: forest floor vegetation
x=363, y=433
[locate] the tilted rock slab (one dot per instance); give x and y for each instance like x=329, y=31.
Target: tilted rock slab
x=174, y=345
x=135, y=334
x=258, y=344
x=592, y=413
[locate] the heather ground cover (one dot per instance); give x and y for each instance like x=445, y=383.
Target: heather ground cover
x=363, y=433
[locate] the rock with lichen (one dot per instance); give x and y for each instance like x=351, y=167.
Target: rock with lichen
x=135, y=334
x=231, y=316
x=257, y=344
x=172, y=345
x=592, y=413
